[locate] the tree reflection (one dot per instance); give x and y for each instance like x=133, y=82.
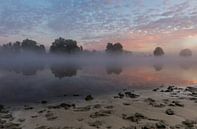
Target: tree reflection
x=185, y=66
x=158, y=67
x=27, y=69
x=61, y=71
x=114, y=70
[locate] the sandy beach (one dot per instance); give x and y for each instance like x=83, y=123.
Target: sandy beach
x=160, y=108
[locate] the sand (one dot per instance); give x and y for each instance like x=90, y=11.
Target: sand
x=160, y=108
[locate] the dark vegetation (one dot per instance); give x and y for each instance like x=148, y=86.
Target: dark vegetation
x=158, y=51
x=68, y=46
x=185, y=53
x=21, y=47
x=59, y=46
x=114, y=48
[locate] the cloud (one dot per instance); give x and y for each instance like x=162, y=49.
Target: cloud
x=97, y=21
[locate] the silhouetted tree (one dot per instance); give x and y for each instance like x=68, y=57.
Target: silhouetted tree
x=158, y=51
x=185, y=53
x=7, y=47
x=62, y=45
x=17, y=47
x=32, y=46
x=26, y=46
x=114, y=48
x=11, y=48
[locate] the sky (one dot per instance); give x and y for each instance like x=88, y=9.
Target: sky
x=140, y=25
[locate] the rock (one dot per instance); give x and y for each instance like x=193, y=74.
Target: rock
x=131, y=95
x=96, y=124
x=109, y=107
x=166, y=101
x=177, y=103
x=41, y=111
x=68, y=127
x=139, y=116
x=129, y=127
x=156, y=89
x=21, y=120
x=79, y=109
x=80, y=119
x=192, y=90
x=121, y=95
x=34, y=116
x=170, y=89
x=134, y=118
x=160, y=125
x=75, y=95
x=189, y=123
x=50, y=116
x=1, y=107
x=101, y=113
x=126, y=104
x=152, y=102
x=44, y=102
x=6, y=116
x=89, y=98
x=26, y=107
x=62, y=105
x=11, y=125
x=42, y=127
x=97, y=106
x=149, y=100
x=109, y=127
x=169, y=112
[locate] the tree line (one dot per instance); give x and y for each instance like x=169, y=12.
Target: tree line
x=59, y=46
x=69, y=46
x=184, y=53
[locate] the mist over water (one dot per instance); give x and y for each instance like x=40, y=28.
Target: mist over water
x=32, y=78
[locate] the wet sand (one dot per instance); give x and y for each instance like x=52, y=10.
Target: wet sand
x=160, y=108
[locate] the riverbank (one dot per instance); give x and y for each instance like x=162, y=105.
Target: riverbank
x=160, y=108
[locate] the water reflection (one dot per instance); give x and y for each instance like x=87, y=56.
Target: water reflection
x=114, y=70
x=185, y=66
x=29, y=82
x=158, y=67
x=25, y=68
x=64, y=70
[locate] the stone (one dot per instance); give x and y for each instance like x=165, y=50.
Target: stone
x=169, y=112
x=89, y=98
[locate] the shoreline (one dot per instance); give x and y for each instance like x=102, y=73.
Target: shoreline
x=160, y=108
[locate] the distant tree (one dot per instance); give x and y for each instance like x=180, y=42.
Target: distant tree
x=158, y=51
x=114, y=48
x=185, y=53
x=7, y=48
x=109, y=47
x=81, y=48
x=62, y=45
x=32, y=46
x=16, y=47
x=24, y=46
x=12, y=48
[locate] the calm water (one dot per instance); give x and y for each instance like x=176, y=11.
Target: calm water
x=32, y=81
